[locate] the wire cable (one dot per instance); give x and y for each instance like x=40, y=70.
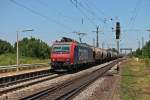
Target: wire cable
x=39, y=14
x=90, y=11
x=83, y=13
x=135, y=14
x=106, y=17
x=58, y=12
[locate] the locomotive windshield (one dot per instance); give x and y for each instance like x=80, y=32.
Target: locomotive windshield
x=61, y=48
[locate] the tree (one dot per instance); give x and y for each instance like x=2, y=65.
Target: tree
x=144, y=52
x=114, y=50
x=138, y=52
x=5, y=47
x=33, y=48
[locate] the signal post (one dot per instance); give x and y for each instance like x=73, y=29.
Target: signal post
x=118, y=35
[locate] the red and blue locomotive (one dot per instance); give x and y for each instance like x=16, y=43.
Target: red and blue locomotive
x=69, y=54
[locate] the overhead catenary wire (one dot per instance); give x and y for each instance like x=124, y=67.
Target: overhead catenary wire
x=92, y=4
x=106, y=16
x=132, y=19
x=40, y=14
x=88, y=7
x=58, y=12
x=74, y=2
x=102, y=17
x=88, y=10
x=135, y=13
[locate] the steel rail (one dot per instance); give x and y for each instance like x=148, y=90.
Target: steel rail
x=11, y=80
x=54, y=90
x=28, y=83
x=77, y=90
x=14, y=67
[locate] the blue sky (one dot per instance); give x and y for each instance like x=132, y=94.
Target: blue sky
x=53, y=19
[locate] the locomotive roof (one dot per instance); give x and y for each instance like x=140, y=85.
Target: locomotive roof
x=59, y=42
x=84, y=44
x=80, y=44
x=65, y=40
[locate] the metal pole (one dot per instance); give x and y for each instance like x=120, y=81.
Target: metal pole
x=139, y=44
x=97, y=41
x=142, y=41
x=94, y=42
x=18, y=46
x=118, y=45
x=17, y=50
x=149, y=35
x=80, y=39
x=103, y=43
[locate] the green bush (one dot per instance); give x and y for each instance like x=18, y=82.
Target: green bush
x=5, y=47
x=7, y=59
x=147, y=62
x=144, y=52
x=33, y=48
x=10, y=59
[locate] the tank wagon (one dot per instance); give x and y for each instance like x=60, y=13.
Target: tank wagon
x=68, y=54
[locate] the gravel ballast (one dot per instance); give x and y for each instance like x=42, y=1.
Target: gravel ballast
x=18, y=94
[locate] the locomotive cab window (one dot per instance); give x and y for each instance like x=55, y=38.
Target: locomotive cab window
x=61, y=48
x=65, y=48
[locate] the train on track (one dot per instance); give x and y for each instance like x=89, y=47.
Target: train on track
x=68, y=54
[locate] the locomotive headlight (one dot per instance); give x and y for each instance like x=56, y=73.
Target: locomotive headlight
x=68, y=59
x=53, y=59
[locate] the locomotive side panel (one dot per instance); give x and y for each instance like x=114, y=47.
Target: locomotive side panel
x=85, y=54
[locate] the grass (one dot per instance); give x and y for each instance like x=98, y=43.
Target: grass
x=10, y=59
x=135, y=83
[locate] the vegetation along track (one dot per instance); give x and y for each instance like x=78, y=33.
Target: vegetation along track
x=70, y=88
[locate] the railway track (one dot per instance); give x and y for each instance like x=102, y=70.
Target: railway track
x=72, y=87
x=21, y=85
x=11, y=80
